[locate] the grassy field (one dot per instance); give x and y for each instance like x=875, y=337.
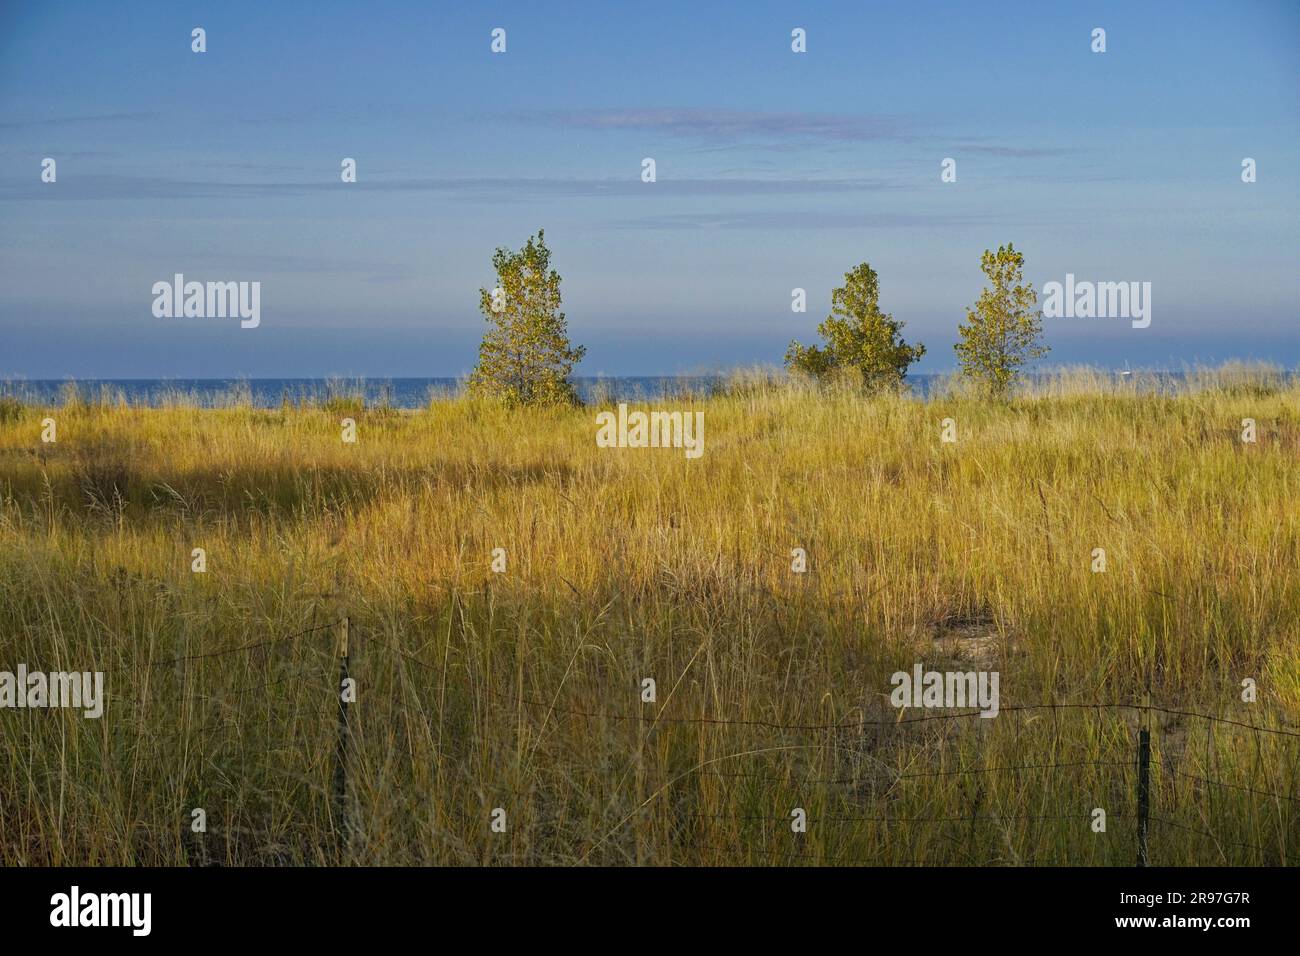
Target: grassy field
x=522, y=690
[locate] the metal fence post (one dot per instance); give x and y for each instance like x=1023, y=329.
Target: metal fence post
x=341, y=752
x=1144, y=793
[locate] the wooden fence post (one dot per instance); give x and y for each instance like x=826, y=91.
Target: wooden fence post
x=341, y=752
x=1144, y=793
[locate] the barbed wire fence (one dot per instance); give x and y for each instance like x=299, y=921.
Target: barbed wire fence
x=1143, y=813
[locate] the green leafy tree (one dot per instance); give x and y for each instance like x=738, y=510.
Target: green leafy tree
x=863, y=344
x=525, y=357
x=1001, y=332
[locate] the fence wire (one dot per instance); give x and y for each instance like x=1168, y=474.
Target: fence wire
x=230, y=720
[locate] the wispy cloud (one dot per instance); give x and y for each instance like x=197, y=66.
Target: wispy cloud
x=117, y=187
x=727, y=127
x=61, y=154
x=77, y=120
x=261, y=263
x=715, y=130
x=804, y=220
x=248, y=167
x=1014, y=152
x=632, y=187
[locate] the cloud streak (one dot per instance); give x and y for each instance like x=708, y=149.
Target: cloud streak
x=725, y=127
x=721, y=130
x=117, y=187
x=57, y=121
x=808, y=220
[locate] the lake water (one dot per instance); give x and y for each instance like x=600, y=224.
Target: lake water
x=417, y=392
x=399, y=392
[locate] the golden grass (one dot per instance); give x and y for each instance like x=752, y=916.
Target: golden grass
x=522, y=690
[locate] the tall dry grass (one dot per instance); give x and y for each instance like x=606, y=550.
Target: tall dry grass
x=522, y=690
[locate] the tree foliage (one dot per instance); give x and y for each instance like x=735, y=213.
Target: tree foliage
x=863, y=344
x=525, y=357
x=1001, y=332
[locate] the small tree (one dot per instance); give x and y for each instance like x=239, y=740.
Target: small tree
x=1001, y=332
x=862, y=343
x=525, y=357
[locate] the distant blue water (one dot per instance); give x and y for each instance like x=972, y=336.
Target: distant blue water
x=397, y=392
x=407, y=392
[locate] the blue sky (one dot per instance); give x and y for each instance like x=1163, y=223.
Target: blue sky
x=775, y=170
